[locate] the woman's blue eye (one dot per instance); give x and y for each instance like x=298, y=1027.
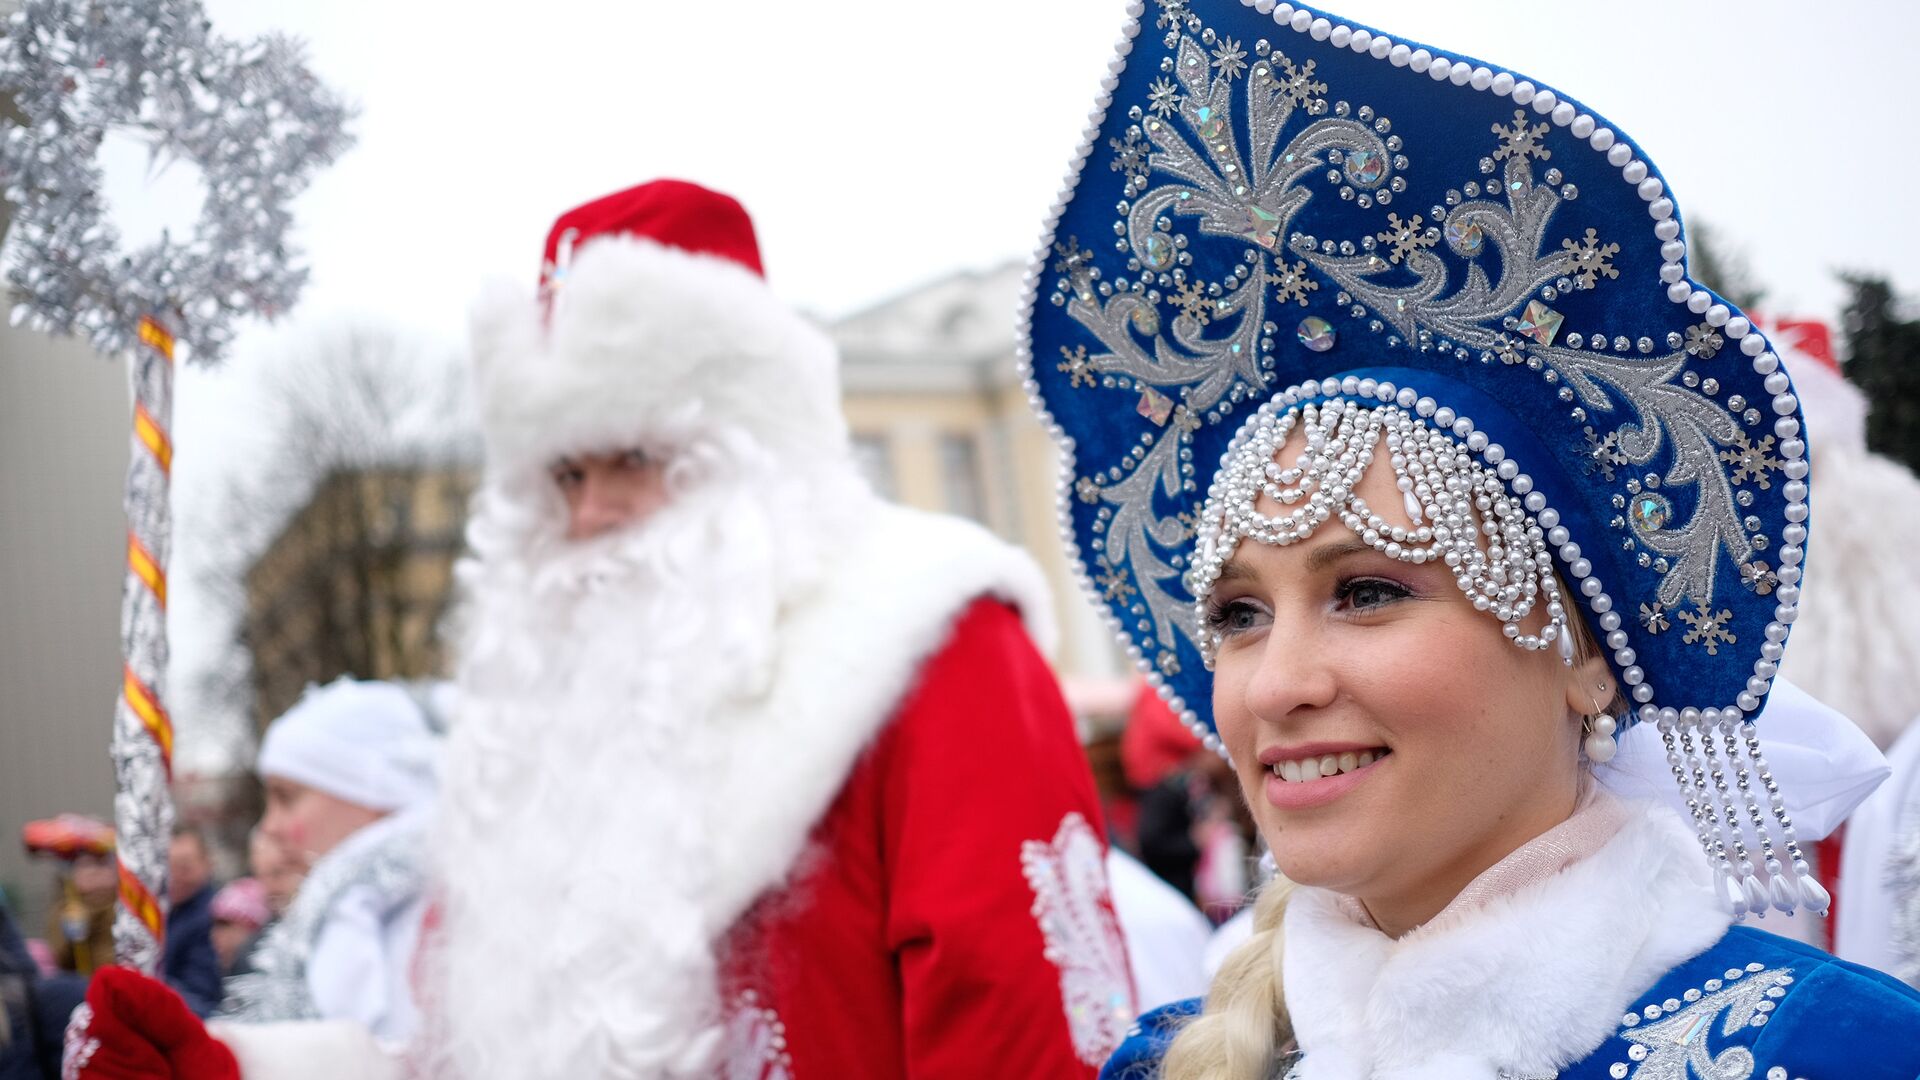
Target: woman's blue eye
x=1364, y=593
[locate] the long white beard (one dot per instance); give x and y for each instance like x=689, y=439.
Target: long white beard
x=581, y=819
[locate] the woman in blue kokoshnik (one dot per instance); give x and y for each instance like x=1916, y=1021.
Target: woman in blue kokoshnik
x=1430, y=489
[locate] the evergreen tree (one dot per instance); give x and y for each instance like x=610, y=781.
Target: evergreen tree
x=1883, y=360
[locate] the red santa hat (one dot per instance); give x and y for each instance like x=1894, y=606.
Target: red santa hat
x=653, y=308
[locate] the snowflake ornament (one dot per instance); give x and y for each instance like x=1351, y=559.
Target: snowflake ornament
x=1407, y=237
x=1075, y=365
x=1193, y=303
x=1229, y=59
x=1521, y=140
x=1129, y=155
x=250, y=116
x=1114, y=585
x=1292, y=283
x=1163, y=98
x=1709, y=629
x=1298, y=84
x=1751, y=461
x=1603, y=452
x=1592, y=258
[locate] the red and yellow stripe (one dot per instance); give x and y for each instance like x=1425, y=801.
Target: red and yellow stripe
x=147, y=707
x=142, y=563
x=156, y=337
x=153, y=437
x=138, y=899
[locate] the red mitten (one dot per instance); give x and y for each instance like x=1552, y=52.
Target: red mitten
x=136, y=1028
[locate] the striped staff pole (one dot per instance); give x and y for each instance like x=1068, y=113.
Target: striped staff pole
x=142, y=730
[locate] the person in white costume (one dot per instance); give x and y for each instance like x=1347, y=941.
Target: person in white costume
x=351, y=774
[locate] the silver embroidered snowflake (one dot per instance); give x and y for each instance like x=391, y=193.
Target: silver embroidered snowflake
x=1407, y=237
x=1075, y=366
x=1759, y=577
x=1603, y=453
x=1593, y=258
x=1088, y=489
x=1072, y=256
x=1114, y=585
x=1751, y=461
x=1703, y=341
x=1654, y=617
x=1192, y=301
x=1293, y=283
x=1298, y=83
x=1172, y=13
x=1163, y=97
x=1168, y=664
x=1130, y=155
x=1521, y=140
x=1708, y=629
x=1229, y=59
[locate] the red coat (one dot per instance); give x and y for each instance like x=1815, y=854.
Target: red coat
x=909, y=939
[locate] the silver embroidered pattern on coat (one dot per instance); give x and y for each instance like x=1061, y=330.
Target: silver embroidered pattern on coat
x=756, y=1042
x=276, y=989
x=1082, y=934
x=1669, y=1041
x=79, y=1046
x=1211, y=341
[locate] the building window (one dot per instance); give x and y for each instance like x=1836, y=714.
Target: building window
x=874, y=458
x=960, y=476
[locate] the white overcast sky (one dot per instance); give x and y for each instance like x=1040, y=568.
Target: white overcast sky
x=884, y=143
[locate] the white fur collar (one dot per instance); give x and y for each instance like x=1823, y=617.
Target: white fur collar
x=1529, y=983
x=845, y=655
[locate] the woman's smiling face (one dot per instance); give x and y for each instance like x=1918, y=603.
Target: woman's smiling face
x=1448, y=745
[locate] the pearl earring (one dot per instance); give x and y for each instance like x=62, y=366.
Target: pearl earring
x=1599, y=744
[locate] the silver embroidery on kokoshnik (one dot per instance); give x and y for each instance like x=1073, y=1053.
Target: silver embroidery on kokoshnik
x=1212, y=327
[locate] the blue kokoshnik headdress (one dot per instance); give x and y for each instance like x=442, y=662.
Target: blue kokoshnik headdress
x=1280, y=218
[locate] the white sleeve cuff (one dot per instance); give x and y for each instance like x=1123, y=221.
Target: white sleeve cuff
x=307, y=1050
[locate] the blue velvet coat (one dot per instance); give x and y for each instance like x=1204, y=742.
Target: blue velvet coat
x=1755, y=1005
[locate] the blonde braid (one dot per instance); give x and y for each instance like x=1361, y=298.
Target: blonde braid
x=1244, y=1026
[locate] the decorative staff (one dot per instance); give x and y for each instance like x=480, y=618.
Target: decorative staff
x=257, y=124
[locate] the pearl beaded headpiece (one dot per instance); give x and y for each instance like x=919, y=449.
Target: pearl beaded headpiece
x=1449, y=500
x=1275, y=209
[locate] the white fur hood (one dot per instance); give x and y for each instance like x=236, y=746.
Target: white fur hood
x=1524, y=985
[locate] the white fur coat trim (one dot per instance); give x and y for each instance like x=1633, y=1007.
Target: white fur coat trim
x=1529, y=983
x=639, y=329
x=846, y=654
